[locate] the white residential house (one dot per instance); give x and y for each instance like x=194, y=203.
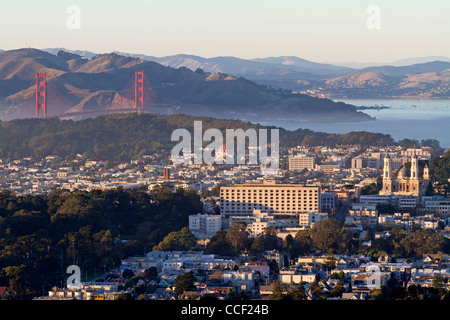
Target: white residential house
x=293, y=276
x=241, y=279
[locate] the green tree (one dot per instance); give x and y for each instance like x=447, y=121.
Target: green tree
x=299, y=292
x=408, y=143
x=379, y=294
x=316, y=290
x=268, y=240
x=330, y=236
x=338, y=289
x=337, y=275
x=177, y=241
x=330, y=263
x=125, y=296
x=20, y=282
x=397, y=293
x=413, y=292
x=423, y=241
x=127, y=274
x=438, y=284
x=238, y=237
x=278, y=291
x=303, y=242
x=150, y=273
x=184, y=282
x=289, y=245
x=219, y=244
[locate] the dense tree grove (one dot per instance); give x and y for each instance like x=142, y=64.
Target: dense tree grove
x=410, y=243
x=122, y=137
x=440, y=173
x=330, y=237
x=41, y=235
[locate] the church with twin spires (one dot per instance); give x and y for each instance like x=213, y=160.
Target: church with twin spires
x=402, y=184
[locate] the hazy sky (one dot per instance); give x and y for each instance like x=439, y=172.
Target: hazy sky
x=319, y=30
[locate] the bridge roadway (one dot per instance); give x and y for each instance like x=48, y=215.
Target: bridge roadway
x=162, y=109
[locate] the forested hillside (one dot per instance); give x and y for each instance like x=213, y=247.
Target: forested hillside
x=127, y=136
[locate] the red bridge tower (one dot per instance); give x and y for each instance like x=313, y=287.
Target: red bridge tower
x=41, y=93
x=139, y=90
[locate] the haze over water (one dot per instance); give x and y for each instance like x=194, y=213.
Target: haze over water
x=406, y=118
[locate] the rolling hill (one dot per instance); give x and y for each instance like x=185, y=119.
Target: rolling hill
x=326, y=80
x=433, y=66
x=427, y=80
x=259, y=68
x=319, y=79
x=106, y=81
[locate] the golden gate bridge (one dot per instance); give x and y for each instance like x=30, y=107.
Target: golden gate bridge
x=137, y=90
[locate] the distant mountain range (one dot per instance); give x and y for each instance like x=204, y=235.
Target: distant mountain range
x=397, y=63
x=263, y=68
x=82, y=85
x=398, y=79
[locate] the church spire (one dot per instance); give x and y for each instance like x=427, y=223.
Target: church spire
x=387, y=166
x=387, y=181
x=414, y=166
x=426, y=173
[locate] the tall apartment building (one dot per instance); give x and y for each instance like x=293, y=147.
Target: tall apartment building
x=328, y=201
x=300, y=163
x=282, y=200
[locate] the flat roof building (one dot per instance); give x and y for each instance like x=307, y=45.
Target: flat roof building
x=276, y=199
x=300, y=163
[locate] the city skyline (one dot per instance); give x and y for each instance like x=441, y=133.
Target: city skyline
x=324, y=31
x=228, y=152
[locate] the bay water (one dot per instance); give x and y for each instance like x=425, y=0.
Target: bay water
x=403, y=118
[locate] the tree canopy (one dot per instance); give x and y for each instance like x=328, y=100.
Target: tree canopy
x=39, y=235
x=127, y=136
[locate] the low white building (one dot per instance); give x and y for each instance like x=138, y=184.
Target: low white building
x=189, y=261
x=437, y=205
x=408, y=202
x=258, y=226
x=140, y=264
x=309, y=218
x=378, y=199
x=289, y=277
x=241, y=279
x=204, y=225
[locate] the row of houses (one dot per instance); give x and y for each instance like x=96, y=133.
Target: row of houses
x=365, y=216
x=218, y=276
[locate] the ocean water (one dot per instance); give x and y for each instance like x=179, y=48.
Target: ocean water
x=405, y=118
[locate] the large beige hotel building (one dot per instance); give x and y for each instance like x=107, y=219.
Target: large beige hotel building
x=283, y=200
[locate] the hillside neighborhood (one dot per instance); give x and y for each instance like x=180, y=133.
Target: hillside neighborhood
x=343, y=177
